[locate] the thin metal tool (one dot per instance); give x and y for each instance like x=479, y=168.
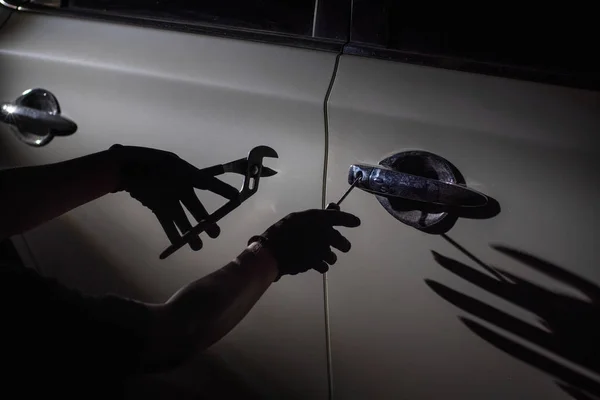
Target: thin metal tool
x=336, y=206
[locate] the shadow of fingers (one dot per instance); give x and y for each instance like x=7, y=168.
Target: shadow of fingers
x=570, y=377
x=574, y=392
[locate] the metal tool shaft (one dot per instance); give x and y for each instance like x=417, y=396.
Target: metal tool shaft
x=336, y=206
x=348, y=191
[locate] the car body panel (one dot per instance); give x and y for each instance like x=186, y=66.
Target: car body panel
x=530, y=146
x=209, y=100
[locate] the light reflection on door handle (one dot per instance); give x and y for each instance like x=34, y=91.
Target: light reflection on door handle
x=36, y=121
x=35, y=118
x=387, y=182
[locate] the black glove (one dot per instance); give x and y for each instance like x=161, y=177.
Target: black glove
x=162, y=181
x=303, y=240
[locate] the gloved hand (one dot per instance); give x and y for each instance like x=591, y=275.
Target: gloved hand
x=162, y=181
x=303, y=240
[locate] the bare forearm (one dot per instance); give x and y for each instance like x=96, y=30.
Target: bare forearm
x=204, y=311
x=216, y=303
x=33, y=195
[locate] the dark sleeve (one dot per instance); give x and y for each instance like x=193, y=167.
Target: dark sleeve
x=87, y=335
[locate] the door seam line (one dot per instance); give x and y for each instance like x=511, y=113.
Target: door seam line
x=323, y=205
x=324, y=199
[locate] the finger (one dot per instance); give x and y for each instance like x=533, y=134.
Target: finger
x=181, y=221
x=337, y=240
x=333, y=206
x=202, y=181
x=340, y=218
x=168, y=226
x=195, y=207
x=330, y=258
x=322, y=267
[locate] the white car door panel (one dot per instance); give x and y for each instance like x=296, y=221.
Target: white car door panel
x=209, y=100
x=530, y=146
x=393, y=308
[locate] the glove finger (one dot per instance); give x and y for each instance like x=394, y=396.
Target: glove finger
x=330, y=257
x=322, y=267
x=337, y=240
x=168, y=226
x=176, y=212
x=196, y=208
x=332, y=206
x=339, y=218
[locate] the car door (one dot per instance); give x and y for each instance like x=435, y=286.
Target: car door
x=394, y=302
x=207, y=83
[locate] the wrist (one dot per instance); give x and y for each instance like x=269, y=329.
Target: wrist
x=262, y=258
x=117, y=156
x=262, y=243
x=104, y=166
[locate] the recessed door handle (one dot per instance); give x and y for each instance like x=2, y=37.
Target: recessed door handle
x=387, y=182
x=35, y=117
x=35, y=121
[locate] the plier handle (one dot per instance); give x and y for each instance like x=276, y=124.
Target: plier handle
x=252, y=169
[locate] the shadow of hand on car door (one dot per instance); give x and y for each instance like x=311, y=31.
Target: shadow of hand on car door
x=572, y=326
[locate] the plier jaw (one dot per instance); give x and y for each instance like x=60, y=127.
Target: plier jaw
x=252, y=169
x=240, y=166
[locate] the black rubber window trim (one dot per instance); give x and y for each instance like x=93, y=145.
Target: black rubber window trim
x=300, y=41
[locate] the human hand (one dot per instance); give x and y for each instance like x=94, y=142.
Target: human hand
x=162, y=181
x=303, y=240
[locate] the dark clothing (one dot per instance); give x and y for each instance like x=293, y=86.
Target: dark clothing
x=57, y=341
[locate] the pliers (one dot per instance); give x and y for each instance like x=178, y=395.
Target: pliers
x=252, y=169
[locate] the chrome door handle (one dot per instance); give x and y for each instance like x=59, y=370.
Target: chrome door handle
x=36, y=121
x=35, y=117
x=387, y=182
